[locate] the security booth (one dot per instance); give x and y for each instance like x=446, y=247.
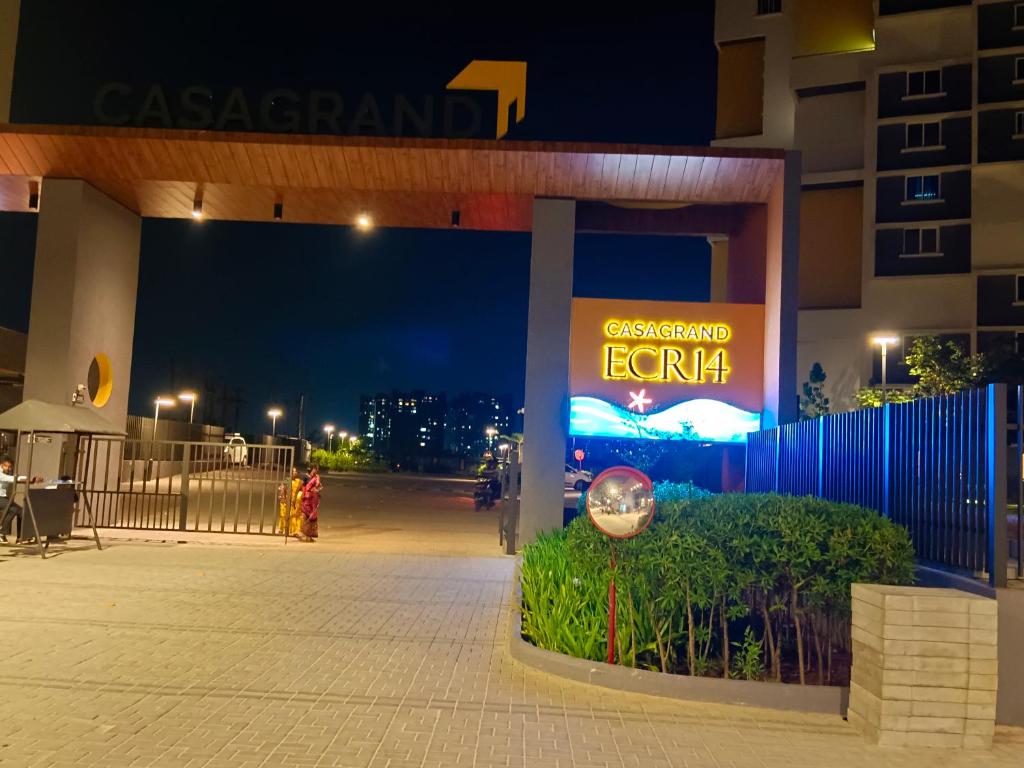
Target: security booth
x=49, y=507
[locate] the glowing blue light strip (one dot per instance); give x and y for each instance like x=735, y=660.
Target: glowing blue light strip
x=701, y=419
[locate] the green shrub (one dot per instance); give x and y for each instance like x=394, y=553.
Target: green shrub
x=774, y=570
x=562, y=608
x=347, y=461
x=747, y=663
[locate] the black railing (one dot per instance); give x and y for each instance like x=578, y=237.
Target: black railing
x=937, y=466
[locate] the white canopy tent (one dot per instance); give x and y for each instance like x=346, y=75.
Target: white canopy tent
x=33, y=418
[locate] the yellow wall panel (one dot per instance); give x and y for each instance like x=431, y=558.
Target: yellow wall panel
x=740, y=89
x=832, y=27
x=9, y=13
x=831, y=226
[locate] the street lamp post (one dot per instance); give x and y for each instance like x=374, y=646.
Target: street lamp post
x=189, y=397
x=274, y=414
x=166, y=402
x=329, y=429
x=341, y=440
x=884, y=342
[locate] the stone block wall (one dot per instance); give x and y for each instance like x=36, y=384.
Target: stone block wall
x=924, y=666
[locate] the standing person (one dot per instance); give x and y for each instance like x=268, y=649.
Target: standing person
x=311, y=505
x=7, y=506
x=289, y=508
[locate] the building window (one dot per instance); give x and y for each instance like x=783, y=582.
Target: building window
x=923, y=188
x=1018, y=125
x=765, y=7
x=1018, y=15
x=922, y=241
x=924, y=82
x=924, y=135
x=1018, y=69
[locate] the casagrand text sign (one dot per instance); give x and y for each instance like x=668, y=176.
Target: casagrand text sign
x=666, y=370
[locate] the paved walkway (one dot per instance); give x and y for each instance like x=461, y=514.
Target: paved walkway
x=205, y=655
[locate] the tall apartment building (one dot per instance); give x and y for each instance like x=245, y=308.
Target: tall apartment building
x=469, y=418
x=375, y=422
x=910, y=118
x=403, y=426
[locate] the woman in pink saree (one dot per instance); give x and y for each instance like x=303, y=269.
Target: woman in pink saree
x=310, y=528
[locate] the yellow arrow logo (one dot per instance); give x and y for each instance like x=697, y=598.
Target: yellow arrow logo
x=508, y=78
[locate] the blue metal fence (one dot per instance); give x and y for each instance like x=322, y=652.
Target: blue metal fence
x=937, y=466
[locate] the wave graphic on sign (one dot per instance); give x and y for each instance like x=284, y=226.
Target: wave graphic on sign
x=701, y=419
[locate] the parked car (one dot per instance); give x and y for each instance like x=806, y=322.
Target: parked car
x=236, y=451
x=577, y=478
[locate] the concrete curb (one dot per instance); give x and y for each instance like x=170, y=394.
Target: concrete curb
x=821, y=699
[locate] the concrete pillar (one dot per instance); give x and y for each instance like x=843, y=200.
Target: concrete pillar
x=782, y=272
x=719, y=268
x=10, y=10
x=546, y=416
x=925, y=669
x=84, y=285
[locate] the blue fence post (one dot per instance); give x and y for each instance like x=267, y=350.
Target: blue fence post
x=886, y=462
x=778, y=459
x=995, y=482
x=821, y=457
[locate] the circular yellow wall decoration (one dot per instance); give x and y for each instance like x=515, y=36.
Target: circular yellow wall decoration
x=101, y=380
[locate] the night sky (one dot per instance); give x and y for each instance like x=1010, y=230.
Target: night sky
x=278, y=309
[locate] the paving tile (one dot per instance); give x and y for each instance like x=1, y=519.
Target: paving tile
x=202, y=656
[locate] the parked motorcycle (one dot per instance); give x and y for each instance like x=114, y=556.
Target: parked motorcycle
x=486, y=492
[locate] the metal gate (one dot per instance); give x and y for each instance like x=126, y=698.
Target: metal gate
x=183, y=486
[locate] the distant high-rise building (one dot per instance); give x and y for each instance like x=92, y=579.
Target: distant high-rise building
x=375, y=422
x=403, y=426
x=470, y=416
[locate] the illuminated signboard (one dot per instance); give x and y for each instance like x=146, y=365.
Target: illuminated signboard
x=666, y=370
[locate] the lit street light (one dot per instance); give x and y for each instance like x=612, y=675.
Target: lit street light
x=329, y=429
x=166, y=402
x=341, y=439
x=274, y=414
x=352, y=440
x=884, y=342
x=189, y=397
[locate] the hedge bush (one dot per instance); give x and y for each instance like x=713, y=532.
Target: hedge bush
x=742, y=585
x=346, y=461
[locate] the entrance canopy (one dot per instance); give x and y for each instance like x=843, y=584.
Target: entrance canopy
x=398, y=182
x=92, y=184
x=53, y=418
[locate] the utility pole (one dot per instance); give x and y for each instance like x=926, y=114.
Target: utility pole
x=300, y=426
x=209, y=398
x=238, y=403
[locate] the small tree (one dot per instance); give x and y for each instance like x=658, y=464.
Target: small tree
x=941, y=368
x=813, y=402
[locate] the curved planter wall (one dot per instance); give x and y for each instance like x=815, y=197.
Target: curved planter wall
x=830, y=700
